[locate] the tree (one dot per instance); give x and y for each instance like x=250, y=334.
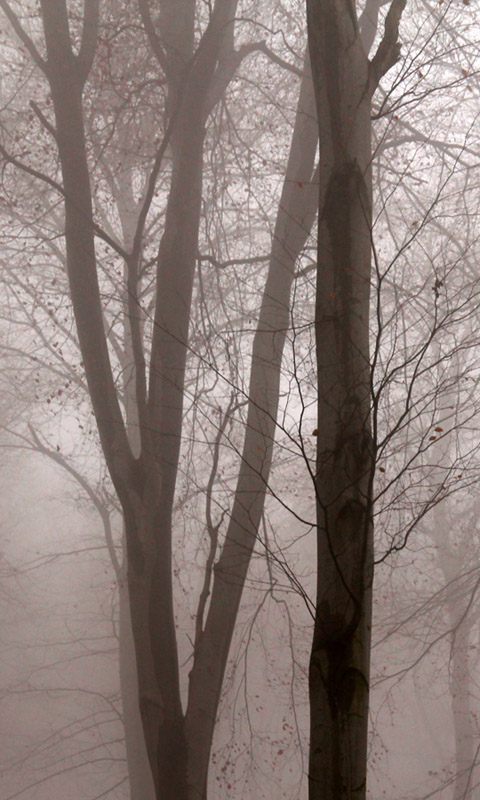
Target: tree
x=345, y=80
x=359, y=351
x=144, y=473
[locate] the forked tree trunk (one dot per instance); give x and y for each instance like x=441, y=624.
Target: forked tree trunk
x=344, y=80
x=144, y=484
x=178, y=745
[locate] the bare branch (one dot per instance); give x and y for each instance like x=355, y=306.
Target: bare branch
x=41, y=116
x=263, y=47
x=388, y=51
x=60, y=459
x=229, y=64
x=35, y=173
x=23, y=36
x=89, y=37
x=153, y=37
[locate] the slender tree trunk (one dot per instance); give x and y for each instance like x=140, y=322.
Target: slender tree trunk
x=460, y=688
x=154, y=633
x=139, y=772
x=295, y=217
x=461, y=622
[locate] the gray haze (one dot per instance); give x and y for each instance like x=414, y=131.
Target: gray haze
x=240, y=510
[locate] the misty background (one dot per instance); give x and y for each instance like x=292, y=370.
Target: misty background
x=201, y=152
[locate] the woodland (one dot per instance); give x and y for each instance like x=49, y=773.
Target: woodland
x=239, y=366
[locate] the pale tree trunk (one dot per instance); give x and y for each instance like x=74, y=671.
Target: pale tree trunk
x=460, y=688
x=344, y=81
x=461, y=622
x=451, y=537
x=139, y=772
x=295, y=217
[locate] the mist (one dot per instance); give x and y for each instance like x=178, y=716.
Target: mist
x=239, y=400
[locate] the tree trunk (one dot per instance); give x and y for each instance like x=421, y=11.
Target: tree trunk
x=344, y=81
x=452, y=562
x=465, y=734
x=295, y=217
x=339, y=666
x=149, y=582
x=140, y=776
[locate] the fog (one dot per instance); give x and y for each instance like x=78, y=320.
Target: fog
x=239, y=400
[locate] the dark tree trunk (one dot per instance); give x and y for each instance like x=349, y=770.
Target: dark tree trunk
x=140, y=776
x=344, y=81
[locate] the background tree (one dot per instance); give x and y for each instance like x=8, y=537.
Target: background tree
x=149, y=509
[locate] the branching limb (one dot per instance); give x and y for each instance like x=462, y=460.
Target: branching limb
x=35, y=173
x=152, y=35
x=229, y=65
x=388, y=51
x=23, y=36
x=211, y=528
x=60, y=459
x=88, y=44
x=41, y=116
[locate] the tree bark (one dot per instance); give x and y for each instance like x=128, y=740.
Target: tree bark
x=344, y=81
x=139, y=773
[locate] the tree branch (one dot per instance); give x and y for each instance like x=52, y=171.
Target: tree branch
x=57, y=456
x=388, y=51
x=263, y=47
x=88, y=45
x=368, y=22
x=23, y=36
x=152, y=35
x=46, y=124
x=35, y=173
